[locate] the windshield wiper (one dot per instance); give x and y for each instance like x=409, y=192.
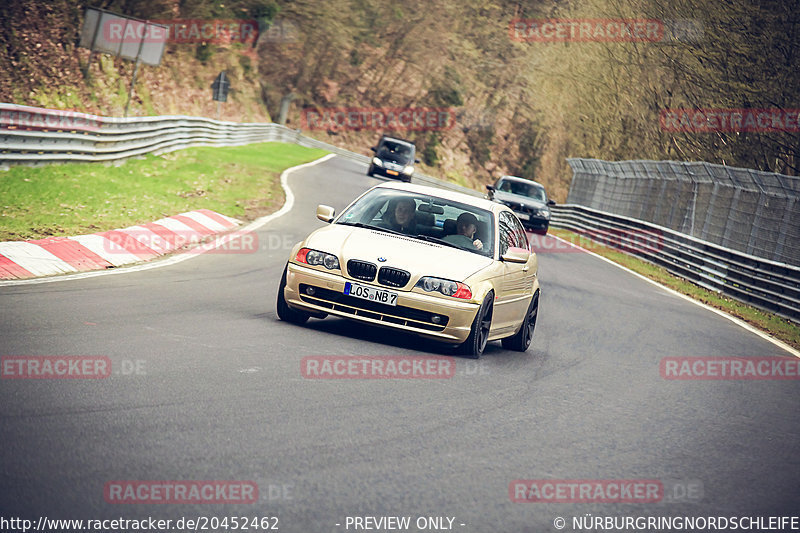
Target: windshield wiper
x=437, y=241
x=370, y=226
x=428, y=238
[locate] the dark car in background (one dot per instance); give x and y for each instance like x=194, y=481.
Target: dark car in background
x=526, y=198
x=394, y=158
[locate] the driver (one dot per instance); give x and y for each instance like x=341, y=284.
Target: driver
x=466, y=226
x=401, y=213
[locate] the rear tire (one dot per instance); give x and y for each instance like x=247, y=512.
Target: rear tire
x=479, y=334
x=522, y=339
x=286, y=313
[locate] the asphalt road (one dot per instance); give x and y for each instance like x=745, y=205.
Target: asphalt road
x=218, y=395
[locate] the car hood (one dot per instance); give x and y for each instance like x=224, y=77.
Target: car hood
x=519, y=199
x=418, y=257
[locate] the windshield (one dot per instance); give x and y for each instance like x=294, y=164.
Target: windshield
x=531, y=190
x=425, y=217
x=394, y=150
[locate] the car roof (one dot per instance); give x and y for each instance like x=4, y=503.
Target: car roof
x=475, y=201
x=395, y=139
x=521, y=180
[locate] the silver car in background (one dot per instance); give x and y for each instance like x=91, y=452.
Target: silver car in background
x=527, y=198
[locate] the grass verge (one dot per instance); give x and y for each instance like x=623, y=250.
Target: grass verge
x=778, y=327
x=78, y=198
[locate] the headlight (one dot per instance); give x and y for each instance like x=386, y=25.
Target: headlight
x=408, y=170
x=444, y=286
x=377, y=162
x=317, y=258
x=543, y=213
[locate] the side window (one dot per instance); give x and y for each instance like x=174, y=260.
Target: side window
x=507, y=238
x=512, y=234
x=521, y=237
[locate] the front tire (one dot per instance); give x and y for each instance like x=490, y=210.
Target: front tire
x=370, y=172
x=286, y=313
x=479, y=334
x=522, y=339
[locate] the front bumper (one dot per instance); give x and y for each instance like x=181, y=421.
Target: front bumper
x=527, y=215
x=532, y=221
x=413, y=313
x=381, y=171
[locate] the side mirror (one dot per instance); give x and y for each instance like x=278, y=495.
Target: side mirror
x=551, y=202
x=516, y=255
x=373, y=149
x=325, y=213
x=417, y=161
x=491, y=189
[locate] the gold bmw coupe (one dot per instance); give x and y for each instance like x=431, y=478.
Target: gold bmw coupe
x=435, y=263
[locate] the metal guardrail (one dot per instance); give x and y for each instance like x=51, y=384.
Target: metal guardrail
x=755, y=212
x=765, y=284
x=36, y=136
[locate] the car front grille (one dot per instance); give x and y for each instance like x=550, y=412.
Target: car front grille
x=393, y=277
x=392, y=314
x=362, y=270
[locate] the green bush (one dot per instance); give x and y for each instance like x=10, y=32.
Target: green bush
x=429, y=155
x=247, y=65
x=203, y=52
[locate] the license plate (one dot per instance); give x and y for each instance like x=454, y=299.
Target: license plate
x=392, y=172
x=523, y=216
x=373, y=294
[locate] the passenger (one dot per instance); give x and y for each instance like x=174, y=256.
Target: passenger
x=401, y=215
x=466, y=226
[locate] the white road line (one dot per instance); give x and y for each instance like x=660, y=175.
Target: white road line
x=177, y=258
x=737, y=321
